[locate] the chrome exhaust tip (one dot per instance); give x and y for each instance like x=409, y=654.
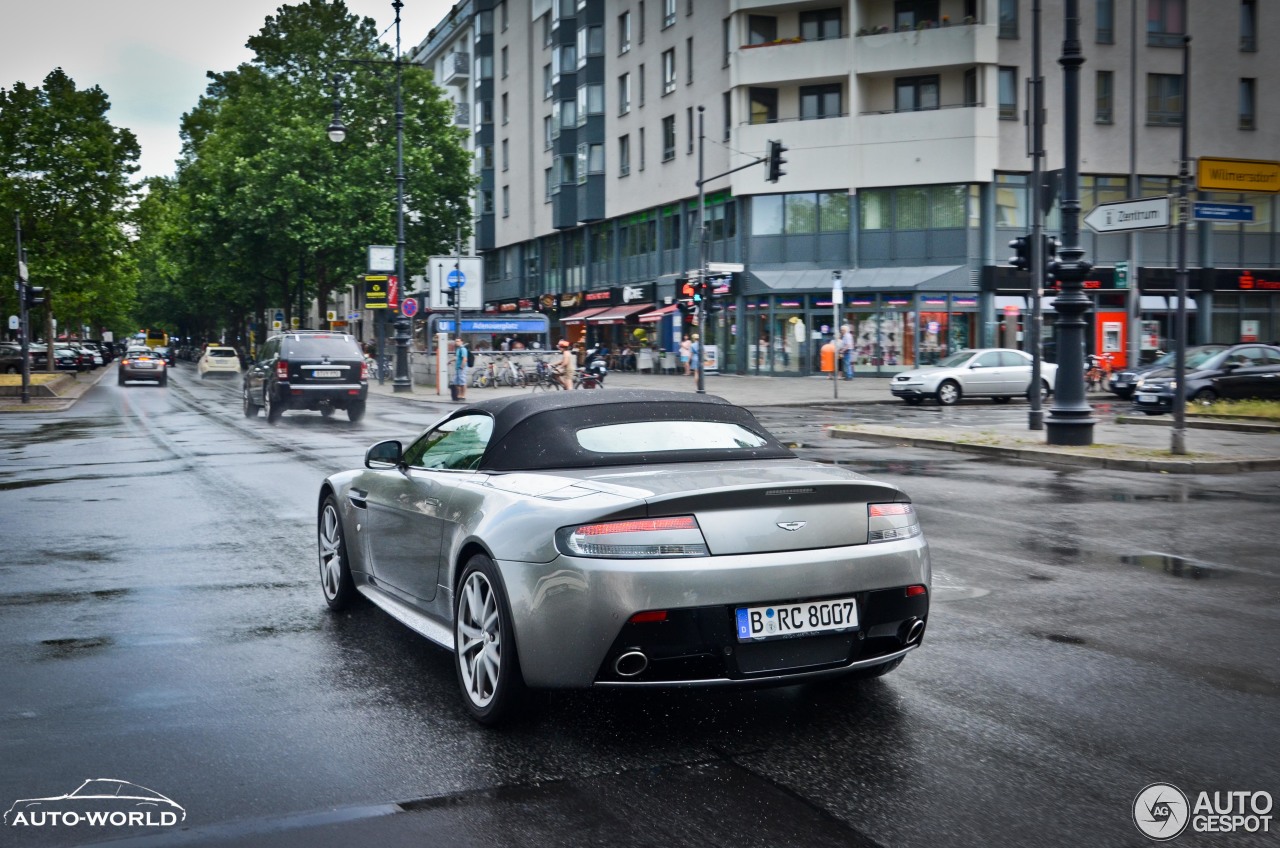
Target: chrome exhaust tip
x=914, y=632
x=630, y=664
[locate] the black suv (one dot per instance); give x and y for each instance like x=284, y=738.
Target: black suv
x=304, y=369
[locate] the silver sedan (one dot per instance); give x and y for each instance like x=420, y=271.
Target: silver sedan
x=624, y=539
x=998, y=373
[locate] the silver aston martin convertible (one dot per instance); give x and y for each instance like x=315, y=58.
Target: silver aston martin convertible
x=626, y=539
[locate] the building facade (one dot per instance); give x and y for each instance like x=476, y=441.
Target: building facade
x=907, y=168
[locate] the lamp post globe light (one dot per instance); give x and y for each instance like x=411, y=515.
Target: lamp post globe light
x=337, y=133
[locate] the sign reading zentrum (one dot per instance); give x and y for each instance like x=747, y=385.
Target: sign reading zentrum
x=1237, y=175
x=1145, y=213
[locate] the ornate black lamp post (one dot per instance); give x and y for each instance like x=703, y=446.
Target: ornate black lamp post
x=338, y=132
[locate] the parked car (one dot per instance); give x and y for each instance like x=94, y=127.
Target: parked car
x=1239, y=371
x=217, y=360
x=1123, y=380
x=11, y=359
x=683, y=542
x=143, y=363
x=998, y=373
x=307, y=369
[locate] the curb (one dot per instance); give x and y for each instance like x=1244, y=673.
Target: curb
x=1198, y=423
x=1049, y=456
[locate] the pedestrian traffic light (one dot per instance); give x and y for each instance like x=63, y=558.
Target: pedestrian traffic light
x=776, y=149
x=686, y=294
x=1021, y=258
x=1051, y=266
x=36, y=296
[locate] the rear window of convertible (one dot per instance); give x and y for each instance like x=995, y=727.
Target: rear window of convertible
x=651, y=436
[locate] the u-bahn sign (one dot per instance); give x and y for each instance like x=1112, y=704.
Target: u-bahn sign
x=1145, y=213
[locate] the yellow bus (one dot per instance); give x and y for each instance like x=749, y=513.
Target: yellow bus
x=157, y=338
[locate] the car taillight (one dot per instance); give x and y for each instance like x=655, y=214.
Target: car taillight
x=364, y=370
x=282, y=369
x=888, y=522
x=637, y=538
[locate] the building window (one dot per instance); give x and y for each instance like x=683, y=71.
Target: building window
x=546, y=82
x=820, y=24
x=640, y=143
x=624, y=155
x=1008, y=85
x=624, y=32
x=640, y=84
x=590, y=43
x=1105, y=32
x=1248, y=89
x=668, y=71
x=506, y=201
x=1104, y=97
x=568, y=114
x=1008, y=18
x=549, y=186
x=640, y=23
x=1166, y=22
x=590, y=101
x=506, y=64
x=668, y=138
x=486, y=202
x=1249, y=25
x=727, y=103
x=762, y=29
x=506, y=16
x=820, y=101
x=484, y=67
x=506, y=111
x=484, y=114
x=506, y=155
x=668, y=13
x=689, y=117
x=484, y=157
x=910, y=14
x=590, y=161
x=764, y=105
x=624, y=94
x=546, y=30
x=688, y=61
x=1164, y=100
x=914, y=94
x=971, y=87
x=547, y=135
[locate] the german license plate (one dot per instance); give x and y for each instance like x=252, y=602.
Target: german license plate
x=1144, y=397
x=328, y=373
x=798, y=619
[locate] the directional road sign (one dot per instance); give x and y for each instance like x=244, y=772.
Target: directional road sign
x=1145, y=213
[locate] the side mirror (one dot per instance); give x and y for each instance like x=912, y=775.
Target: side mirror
x=388, y=454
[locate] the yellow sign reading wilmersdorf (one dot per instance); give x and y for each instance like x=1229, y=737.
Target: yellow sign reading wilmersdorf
x=1237, y=175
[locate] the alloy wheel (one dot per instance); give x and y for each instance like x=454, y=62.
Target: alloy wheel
x=479, y=640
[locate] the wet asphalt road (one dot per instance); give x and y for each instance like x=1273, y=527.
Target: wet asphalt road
x=1092, y=632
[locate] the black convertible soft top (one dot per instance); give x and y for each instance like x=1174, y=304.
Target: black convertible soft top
x=534, y=432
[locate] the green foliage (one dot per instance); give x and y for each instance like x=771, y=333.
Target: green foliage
x=64, y=169
x=263, y=199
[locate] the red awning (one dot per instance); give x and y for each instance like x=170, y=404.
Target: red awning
x=657, y=314
x=579, y=317
x=619, y=314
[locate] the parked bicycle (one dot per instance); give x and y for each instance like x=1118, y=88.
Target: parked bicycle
x=542, y=377
x=1097, y=370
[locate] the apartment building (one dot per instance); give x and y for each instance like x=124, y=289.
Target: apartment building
x=907, y=168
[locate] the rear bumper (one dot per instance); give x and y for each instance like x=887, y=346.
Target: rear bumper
x=304, y=396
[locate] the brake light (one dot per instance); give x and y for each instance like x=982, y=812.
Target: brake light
x=282, y=369
x=912, y=591
x=649, y=617
x=889, y=522
x=364, y=370
x=637, y=538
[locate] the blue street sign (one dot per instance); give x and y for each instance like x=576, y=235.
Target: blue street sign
x=1205, y=211
x=456, y=279
x=279, y=316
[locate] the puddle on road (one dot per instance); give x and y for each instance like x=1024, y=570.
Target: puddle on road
x=1061, y=638
x=60, y=649
x=1176, y=566
x=41, y=598
x=55, y=432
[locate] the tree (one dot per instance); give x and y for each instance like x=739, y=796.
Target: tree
x=65, y=170
x=271, y=212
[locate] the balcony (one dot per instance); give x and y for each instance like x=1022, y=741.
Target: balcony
x=789, y=60
x=925, y=49
x=949, y=145
x=462, y=114
x=457, y=69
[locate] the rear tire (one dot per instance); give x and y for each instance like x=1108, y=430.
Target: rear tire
x=120, y=378
x=355, y=411
x=250, y=408
x=948, y=393
x=1205, y=397
x=272, y=408
x=163, y=381
x=485, y=657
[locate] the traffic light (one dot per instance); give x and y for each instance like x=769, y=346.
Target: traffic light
x=776, y=149
x=685, y=300
x=1051, y=246
x=36, y=296
x=1021, y=258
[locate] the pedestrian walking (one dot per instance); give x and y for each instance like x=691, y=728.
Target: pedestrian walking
x=695, y=352
x=686, y=348
x=460, y=357
x=846, y=350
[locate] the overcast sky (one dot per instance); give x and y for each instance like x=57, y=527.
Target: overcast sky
x=150, y=56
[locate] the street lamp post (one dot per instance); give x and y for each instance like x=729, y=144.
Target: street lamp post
x=337, y=132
